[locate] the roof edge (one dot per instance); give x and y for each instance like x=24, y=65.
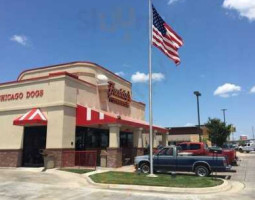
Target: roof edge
x=74, y=62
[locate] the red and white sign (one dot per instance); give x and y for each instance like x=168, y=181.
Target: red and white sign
x=32, y=117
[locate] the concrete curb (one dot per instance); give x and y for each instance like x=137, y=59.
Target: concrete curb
x=220, y=188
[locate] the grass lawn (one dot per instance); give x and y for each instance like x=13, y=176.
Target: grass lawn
x=77, y=171
x=166, y=180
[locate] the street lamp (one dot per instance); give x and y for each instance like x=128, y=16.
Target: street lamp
x=224, y=117
x=198, y=94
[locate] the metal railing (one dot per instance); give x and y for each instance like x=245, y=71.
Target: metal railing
x=86, y=159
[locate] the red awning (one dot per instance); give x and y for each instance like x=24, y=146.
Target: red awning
x=32, y=117
x=86, y=116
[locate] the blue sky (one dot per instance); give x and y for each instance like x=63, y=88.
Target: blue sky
x=218, y=50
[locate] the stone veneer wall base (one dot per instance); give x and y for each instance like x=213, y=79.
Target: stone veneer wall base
x=114, y=157
x=10, y=157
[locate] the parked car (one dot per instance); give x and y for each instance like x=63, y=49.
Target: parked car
x=199, y=148
x=248, y=147
x=169, y=159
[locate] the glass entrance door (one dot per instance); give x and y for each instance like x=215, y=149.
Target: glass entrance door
x=126, y=143
x=34, y=141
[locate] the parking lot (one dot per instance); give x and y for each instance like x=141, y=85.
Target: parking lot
x=20, y=183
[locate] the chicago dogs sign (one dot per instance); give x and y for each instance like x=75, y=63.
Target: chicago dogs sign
x=118, y=96
x=21, y=95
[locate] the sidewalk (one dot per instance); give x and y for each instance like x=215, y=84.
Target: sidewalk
x=128, y=168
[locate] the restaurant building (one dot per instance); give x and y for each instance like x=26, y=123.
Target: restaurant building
x=71, y=107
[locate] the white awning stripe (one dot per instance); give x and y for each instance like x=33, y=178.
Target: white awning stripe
x=88, y=114
x=101, y=115
x=25, y=115
x=37, y=112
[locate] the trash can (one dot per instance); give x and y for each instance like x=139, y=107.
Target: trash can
x=103, y=158
x=48, y=160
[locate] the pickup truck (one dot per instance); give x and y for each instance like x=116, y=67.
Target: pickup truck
x=199, y=148
x=248, y=147
x=170, y=159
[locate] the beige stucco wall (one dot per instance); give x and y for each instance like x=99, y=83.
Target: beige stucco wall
x=58, y=104
x=11, y=137
x=61, y=127
x=53, y=94
x=89, y=96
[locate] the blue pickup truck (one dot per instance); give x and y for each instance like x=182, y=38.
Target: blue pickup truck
x=169, y=159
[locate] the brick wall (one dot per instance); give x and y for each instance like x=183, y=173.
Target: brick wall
x=10, y=158
x=114, y=157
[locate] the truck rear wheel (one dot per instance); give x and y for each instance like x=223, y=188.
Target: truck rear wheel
x=202, y=171
x=145, y=168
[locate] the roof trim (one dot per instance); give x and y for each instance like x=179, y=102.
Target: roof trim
x=69, y=63
x=51, y=75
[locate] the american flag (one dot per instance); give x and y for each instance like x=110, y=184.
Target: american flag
x=165, y=38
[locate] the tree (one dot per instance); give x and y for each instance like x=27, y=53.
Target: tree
x=218, y=131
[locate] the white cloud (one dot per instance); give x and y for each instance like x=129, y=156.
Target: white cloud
x=21, y=39
x=227, y=90
x=120, y=73
x=139, y=77
x=246, y=8
x=189, y=124
x=252, y=89
x=171, y=2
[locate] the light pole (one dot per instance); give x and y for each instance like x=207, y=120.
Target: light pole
x=224, y=117
x=198, y=94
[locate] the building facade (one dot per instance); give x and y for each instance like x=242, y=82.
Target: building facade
x=188, y=134
x=70, y=107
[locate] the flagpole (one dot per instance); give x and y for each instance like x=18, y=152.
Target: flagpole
x=150, y=91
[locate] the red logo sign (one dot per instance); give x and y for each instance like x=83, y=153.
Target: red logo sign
x=118, y=96
x=20, y=95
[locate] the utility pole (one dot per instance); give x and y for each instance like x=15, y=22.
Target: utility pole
x=253, y=136
x=198, y=94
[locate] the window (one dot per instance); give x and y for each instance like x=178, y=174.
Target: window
x=184, y=146
x=126, y=139
x=166, y=152
x=195, y=146
x=91, y=138
x=170, y=152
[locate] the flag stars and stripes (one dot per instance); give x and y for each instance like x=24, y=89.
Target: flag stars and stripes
x=165, y=38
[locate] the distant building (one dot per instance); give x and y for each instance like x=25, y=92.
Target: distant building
x=187, y=134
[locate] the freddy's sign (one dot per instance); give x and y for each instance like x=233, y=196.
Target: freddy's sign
x=21, y=95
x=118, y=96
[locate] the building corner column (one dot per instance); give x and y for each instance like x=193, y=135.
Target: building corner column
x=114, y=152
x=155, y=141
x=138, y=142
x=165, y=139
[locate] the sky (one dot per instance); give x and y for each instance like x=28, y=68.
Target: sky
x=217, y=57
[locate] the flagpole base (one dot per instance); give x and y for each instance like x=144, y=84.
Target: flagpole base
x=152, y=176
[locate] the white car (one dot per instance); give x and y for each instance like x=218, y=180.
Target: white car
x=248, y=147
